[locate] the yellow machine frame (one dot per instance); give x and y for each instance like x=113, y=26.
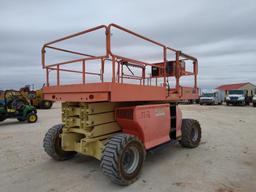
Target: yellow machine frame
x=87, y=126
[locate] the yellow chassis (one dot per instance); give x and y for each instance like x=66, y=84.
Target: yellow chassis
x=87, y=127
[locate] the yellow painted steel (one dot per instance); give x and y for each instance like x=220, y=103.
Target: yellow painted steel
x=98, y=130
x=11, y=110
x=87, y=126
x=89, y=120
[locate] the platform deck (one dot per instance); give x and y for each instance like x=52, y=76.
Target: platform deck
x=114, y=92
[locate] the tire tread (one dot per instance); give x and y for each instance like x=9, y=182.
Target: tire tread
x=49, y=144
x=186, y=140
x=111, y=153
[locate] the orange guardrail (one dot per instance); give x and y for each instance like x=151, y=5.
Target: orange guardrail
x=118, y=75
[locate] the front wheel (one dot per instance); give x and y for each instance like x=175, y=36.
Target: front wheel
x=122, y=158
x=191, y=133
x=52, y=144
x=31, y=118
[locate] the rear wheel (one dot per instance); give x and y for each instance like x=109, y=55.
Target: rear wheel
x=123, y=158
x=45, y=104
x=191, y=133
x=254, y=104
x=2, y=117
x=21, y=119
x=52, y=144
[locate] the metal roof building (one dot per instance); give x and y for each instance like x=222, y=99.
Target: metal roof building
x=249, y=87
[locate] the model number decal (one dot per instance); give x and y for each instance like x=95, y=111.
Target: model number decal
x=159, y=112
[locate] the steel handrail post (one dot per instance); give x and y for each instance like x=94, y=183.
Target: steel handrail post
x=58, y=75
x=83, y=66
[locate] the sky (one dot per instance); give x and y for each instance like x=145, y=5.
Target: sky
x=221, y=34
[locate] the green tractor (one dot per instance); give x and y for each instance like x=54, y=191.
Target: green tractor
x=36, y=97
x=14, y=105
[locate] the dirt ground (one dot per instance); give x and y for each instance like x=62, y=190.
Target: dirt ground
x=224, y=162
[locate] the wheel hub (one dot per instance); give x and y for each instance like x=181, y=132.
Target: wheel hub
x=131, y=159
x=47, y=103
x=32, y=118
x=194, y=134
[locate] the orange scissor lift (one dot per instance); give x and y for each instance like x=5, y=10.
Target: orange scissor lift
x=117, y=121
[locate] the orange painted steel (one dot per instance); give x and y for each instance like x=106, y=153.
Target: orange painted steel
x=150, y=123
x=118, y=90
x=143, y=121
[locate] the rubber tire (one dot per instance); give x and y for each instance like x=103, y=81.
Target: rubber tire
x=186, y=128
x=2, y=118
x=28, y=119
x=227, y=104
x=52, y=144
x=21, y=119
x=111, y=162
x=44, y=106
x=254, y=104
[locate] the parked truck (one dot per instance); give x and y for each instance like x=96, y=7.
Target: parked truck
x=254, y=101
x=237, y=97
x=213, y=97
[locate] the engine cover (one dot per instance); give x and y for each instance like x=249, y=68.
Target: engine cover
x=150, y=123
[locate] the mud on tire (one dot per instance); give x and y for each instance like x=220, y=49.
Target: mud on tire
x=123, y=158
x=191, y=133
x=52, y=144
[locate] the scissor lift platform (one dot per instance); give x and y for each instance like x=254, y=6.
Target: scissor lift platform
x=129, y=110
x=149, y=87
